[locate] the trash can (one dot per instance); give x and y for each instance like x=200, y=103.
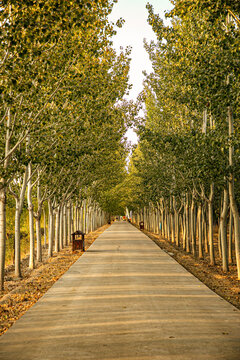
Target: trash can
x=78, y=244
x=141, y=225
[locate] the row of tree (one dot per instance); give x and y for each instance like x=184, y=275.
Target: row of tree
x=61, y=118
x=187, y=164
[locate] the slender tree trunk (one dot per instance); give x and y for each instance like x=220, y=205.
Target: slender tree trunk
x=177, y=227
x=61, y=228
x=57, y=248
x=18, y=212
x=210, y=232
x=64, y=225
x=205, y=232
x=2, y=231
x=45, y=228
x=193, y=231
x=200, y=242
x=233, y=203
x=172, y=220
x=230, y=257
x=75, y=219
x=31, y=220
x=38, y=221
x=184, y=228
x=187, y=227
x=17, y=261
x=69, y=222
x=223, y=230
x=3, y=200
x=219, y=238
x=50, y=229
x=38, y=236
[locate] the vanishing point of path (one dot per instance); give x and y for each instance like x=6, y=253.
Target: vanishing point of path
x=126, y=299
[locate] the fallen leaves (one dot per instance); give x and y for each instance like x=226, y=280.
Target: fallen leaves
x=22, y=294
x=225, y=285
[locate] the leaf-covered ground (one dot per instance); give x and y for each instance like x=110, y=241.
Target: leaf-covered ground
x=224, y=284
x=20, y=294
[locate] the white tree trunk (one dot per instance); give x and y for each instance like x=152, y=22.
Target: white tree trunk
x=2, y=232
x=18, y=212
x=232, y=198
x=45, y=228
x=57, y=221
x=200, y=237
x=230, y=257
x=64, y=225
x=50, y=228
x=31, y=219
x=223, y=230
x=39, y=238
x=61, y=228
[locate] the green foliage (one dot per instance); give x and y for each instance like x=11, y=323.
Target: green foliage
x=195, y=77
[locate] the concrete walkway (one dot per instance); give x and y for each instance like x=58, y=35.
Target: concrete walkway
x=126, y=299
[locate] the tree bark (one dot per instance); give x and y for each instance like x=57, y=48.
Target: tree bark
x=200, y=242
x=193, y=231
x=2, y=231
x=39, y=236
x=223, y=230
x=230, y=257
x=232, y=198
x=18, y=212
x=187, y=227
x=31, y=219
x=50, y=228
x=210, y=224
x=57, y=227
x=45, y=228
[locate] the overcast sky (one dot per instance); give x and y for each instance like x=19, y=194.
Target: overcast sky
x=132, y=33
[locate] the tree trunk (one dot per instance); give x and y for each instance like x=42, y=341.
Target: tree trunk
x=38, y=236
x=69, y=222
x=57, y=228
x=193, y=231
x=61, y=228
x=223, y=230
x=177, y=227
x=233, y=203
x=31, y=219
x=205, y=232
x=17, y=261
x=45, y=228
x=187, y=228
x=230, y=257
x=65, y=226
x=184, y=228
x=200, y=243
x=210, y=230
x=2, y=232
x=18, y=211
x=50, y=229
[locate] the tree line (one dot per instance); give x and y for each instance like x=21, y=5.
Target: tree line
x=185, y=170
x=62, y=119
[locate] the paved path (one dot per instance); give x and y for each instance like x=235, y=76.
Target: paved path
x=126, y=299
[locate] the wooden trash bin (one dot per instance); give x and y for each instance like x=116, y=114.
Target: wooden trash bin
x=141, y=225
x=78, y=242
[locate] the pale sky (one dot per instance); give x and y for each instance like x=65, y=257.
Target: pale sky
x=134, y=30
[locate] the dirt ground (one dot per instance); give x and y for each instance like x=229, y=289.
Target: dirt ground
x=224, y=284
x=20, y=294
